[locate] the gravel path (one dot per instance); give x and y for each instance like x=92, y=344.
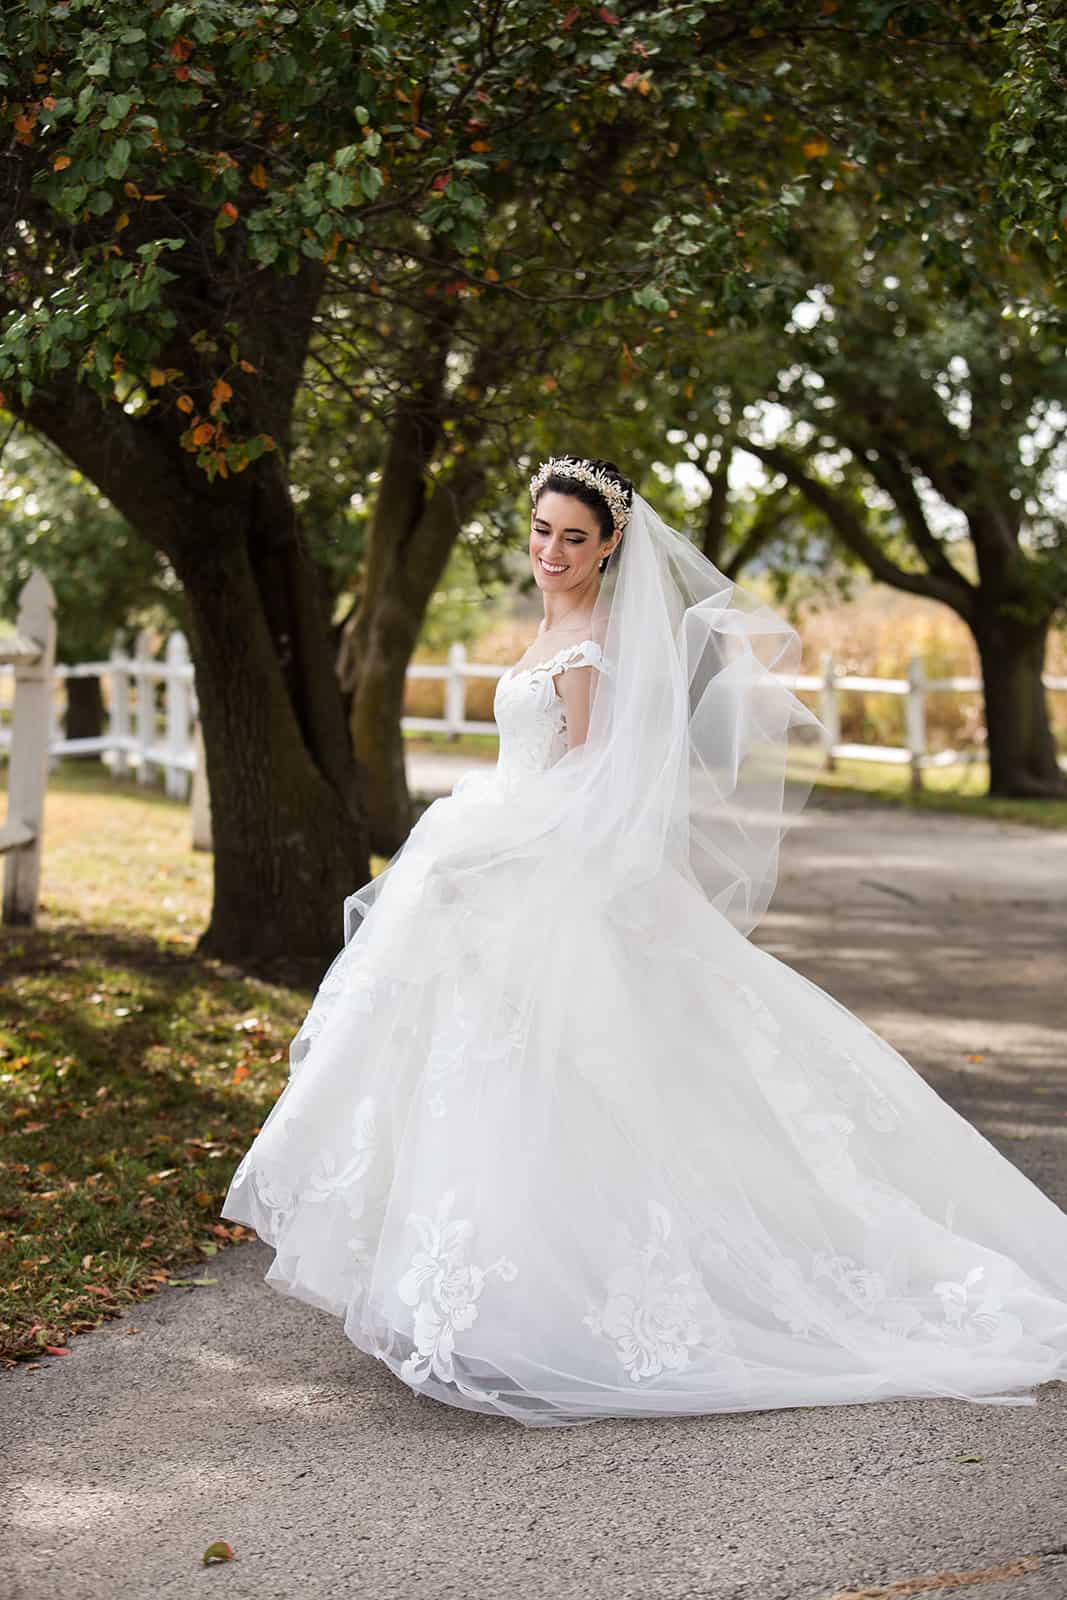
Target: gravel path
x=228, y=1412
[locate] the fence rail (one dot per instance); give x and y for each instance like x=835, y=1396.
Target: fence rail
x=152, y=740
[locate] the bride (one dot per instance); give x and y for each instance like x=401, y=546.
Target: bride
x=558, y=1141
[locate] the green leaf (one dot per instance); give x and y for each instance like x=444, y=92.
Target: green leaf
x=371, y=182
x=118, y=158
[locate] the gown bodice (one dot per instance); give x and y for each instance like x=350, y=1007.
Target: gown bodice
x=530, y=715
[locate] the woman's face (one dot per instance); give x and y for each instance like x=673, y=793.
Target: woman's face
x=565, y=544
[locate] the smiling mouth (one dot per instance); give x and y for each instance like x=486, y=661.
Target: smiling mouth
x=552, y=571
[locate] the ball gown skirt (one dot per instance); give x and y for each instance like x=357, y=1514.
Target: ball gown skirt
x=560, y=1156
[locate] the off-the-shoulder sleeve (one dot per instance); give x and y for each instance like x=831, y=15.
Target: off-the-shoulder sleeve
x=586, y=654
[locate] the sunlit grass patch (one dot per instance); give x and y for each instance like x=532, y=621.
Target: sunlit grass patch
x=133, y=1074
x=959, y=789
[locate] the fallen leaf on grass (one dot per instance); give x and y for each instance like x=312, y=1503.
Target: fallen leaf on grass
x=219, y=1551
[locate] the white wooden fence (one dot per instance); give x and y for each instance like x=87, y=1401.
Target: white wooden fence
x=153, y=739
x=29, y=657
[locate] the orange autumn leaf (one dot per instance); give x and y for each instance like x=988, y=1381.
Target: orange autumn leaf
x=815, y=148
x=157, y=378
x=131, y=191
x=246, y=366
x=185, y=403
x=204, y=434
x=480, y=146
x=181, y=49
x=258, y=175
x=61, y=163
x=240, y=1072
x=492, y=275
x=122, y=221
x=219, y=395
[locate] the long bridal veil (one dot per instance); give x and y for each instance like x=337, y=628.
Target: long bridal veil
x=693, y=720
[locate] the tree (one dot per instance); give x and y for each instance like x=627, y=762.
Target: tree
x=105, y=578
x=185, y=185
x=953, y=420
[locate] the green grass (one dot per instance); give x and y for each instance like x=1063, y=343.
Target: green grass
x=133, y=1074
x=959, y=790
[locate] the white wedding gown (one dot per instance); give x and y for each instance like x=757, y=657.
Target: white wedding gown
x=558, y=1158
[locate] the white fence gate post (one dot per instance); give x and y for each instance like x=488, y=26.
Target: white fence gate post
x=456, y=690
x=179, y=706
x=119, y=710
x=55, y=732
x=144, y=702
x=915, y=719
x=33, y=652
x=201, y=797
x=829, y=712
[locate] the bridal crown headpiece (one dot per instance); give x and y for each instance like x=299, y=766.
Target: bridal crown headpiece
x=571, y=467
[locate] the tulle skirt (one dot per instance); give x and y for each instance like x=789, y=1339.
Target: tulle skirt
x=555, y=1152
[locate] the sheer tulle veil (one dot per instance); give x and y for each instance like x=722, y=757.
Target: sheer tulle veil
x=684, y=767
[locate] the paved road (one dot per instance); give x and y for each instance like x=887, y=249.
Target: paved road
x=234, y=1413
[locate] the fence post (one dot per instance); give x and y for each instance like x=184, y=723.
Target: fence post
x=20, y=836
x=829, y=713
x=55, y=731
x=144, y=704
x=456, y=690
x=915, y=719
x=176, y=778
x=119, y=710
x=201, y=819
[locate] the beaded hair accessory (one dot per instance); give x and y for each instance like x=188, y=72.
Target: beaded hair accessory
x=571, y=467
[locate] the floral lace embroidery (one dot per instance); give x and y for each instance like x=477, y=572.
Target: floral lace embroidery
x=332, y=1176
x=974, y=1313
x=444, y=1290
x=655, y=1317
x=854, y=1298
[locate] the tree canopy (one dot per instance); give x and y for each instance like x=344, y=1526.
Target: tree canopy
x=226, y=225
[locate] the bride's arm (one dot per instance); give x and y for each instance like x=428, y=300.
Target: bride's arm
x=576, y=690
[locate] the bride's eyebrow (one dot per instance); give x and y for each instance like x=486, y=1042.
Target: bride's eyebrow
x=548, y=524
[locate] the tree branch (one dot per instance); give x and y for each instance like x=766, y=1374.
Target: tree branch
x=850, y=530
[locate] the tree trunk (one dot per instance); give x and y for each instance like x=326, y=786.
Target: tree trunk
x=84, y=718
x=386, y=633
x=1022, y=750
x=409, y=550
x=289, y=843
x=289, y=840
